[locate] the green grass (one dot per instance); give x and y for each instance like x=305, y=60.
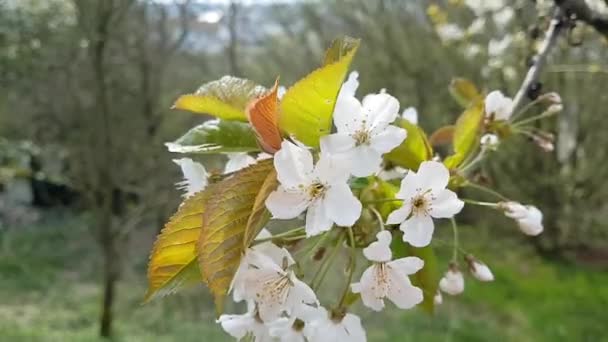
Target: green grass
x=49, y=292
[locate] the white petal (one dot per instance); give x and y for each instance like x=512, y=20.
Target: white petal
x=293, y=164
x=445, y=204
x=401, y=292
x=532, y=223
x=400, y=215
x=354, y=329
x=341, y=205
x=379, y=251
x=348, y=114
x=388, y=139
x=481, y=271
x=408, y=265
x=365, y=161
x=284, y=204
x=410, y=114
x=410, y=185
x=433, y=175
x=237, y=325
x=380, y=110
x=349, y=88
x=237, y=161
x=498, y=106
x=337, y=143
x=195, y=176
x=331, y=170
x=372, y=293
x=317, y=220
x=452, y=283
x=418, y=230
x=302, y=299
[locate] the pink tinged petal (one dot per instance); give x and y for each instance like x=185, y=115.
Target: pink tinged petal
x=348, y=114
x=433, y=175
x=400, y=215
x=401, y=292
x=380, y=109
x=317, y=220
x=386, y=140
x=365, y=161
x=379, y=251
x=337, y=143
x=418, y=230
x=331, y=170
x=284, y=204
x=407, y=265
x=341, y=206
x=372, y=293
x=293, y=164
x=445, y=204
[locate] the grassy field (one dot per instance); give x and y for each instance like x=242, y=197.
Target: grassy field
x=49, y=292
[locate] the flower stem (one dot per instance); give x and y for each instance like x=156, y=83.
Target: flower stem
x=322, y=272
x=480, y=203
x=543, y=115
x=352, y=265
x=487, y=190
x=285, y=235
x=378, y=217
x=456, y=247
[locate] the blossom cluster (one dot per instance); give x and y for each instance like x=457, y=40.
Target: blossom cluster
x=316, y=186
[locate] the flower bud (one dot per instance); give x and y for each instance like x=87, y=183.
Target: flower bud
x=555, y=108
x=551, y=98
x=528, y=217
x=452, y=282
x=478, y=269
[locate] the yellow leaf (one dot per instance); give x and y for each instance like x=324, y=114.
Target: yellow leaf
x=225, y=220
x=259, y=214
x=466, y=134
x=414, y=150
x=173, y=259
x=307, y=107
x=464, y=91
x=225, y=98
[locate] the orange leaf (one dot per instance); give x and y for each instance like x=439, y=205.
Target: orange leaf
x=442, y=136
x=263, y=114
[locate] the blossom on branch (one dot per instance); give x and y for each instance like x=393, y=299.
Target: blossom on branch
x=452, y=282
x=330, y=328
x=528, y=217
x=498, y=107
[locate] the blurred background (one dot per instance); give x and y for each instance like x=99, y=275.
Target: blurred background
x=86, y=183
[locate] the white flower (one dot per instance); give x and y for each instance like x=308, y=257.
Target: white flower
x=288, y=330
x=323, y=190
x=195, y=176
x=410, y=114
x=489, y=140
x=479, y=270
x=394, y=173
x=449, y=32
x=424, y=196
x=529, y=218
x=248, y=324
x=276, y=290
x=364, y=129
x=332, y=329
x=498, y=106
x=237, y=161
x=452, y=282
x=276, y=254
x=386, y=278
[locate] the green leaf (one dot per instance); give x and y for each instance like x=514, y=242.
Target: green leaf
x=172, y=262
x=464, y=92
x=414, y=150
x=216, y=136
x=222, y=241
x=466, y=134
x=225, y=98
x=307, y=107
x=427, y=278
x=339, y=48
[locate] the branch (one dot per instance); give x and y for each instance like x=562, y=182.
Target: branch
x=539, y=60
x=581, y=11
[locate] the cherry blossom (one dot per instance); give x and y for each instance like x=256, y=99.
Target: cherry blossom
x=195, y=176
x=528, y=217
x=247, y=324
x=288, y=330
x=322, y=190
x=333, y=327
x=386, y=278
x=276, y=290
x=364, y=129
x=424, y=196
x=497, y=106
x=452, y=282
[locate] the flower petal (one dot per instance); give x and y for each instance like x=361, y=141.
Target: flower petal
x=379, y=251
x=418, y=230
x=341, y=205
x=386, y=140
x=317, y=220
x=284, y=204
x=380, y=110
x=407, y=265
x=353, y=328
x=400, y=215
x=348, y=114
x=409, y=186
x=445, y=204
x=371, y=293
x=365, y=161
x=237, y=325
x=401, y=292
x=349, y=88
x=302, y=299
x=293, y=164
x=410, y=114
x=337, y=143
x=433, y=175
x=331, y=169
